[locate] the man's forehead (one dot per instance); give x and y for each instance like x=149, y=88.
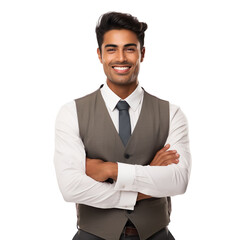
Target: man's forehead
x=120, y=37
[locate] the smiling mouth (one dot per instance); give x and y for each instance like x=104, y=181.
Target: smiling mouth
x=121, y=69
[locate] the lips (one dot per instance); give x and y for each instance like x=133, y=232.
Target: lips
x=121, y=69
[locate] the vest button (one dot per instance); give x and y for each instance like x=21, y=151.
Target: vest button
x=127, y=156
x=129, y=211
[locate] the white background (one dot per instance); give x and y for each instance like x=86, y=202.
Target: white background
x=48, y=57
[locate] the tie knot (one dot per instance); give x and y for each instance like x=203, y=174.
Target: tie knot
x=122, y=105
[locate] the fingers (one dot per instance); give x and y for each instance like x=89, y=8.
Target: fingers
x=169, y=155
x=164, y=149
x=165, y=157
x=161, y=151
x=170, y=161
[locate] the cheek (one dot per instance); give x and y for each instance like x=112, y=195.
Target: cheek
x=136, y=59
x=105, y=64
x=106, y=59
x=137, y=65
x=106, y=67
x=137, y=68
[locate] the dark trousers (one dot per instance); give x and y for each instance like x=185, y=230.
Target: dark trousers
x=163, y=234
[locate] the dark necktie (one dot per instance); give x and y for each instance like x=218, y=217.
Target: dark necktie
x=124, y=121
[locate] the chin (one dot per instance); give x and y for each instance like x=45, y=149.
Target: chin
x=123, y=82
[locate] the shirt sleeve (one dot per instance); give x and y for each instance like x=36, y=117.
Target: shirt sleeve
x=161, y=181
x=69, y=161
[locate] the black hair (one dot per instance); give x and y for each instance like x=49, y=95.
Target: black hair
x=117, y=20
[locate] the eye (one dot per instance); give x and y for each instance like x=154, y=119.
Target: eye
x=111, y=50
x=130, y=49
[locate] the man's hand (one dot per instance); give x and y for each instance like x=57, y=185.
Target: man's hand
x=162, y=158
x=100, y=170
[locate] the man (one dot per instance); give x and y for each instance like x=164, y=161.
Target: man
x=121, y=152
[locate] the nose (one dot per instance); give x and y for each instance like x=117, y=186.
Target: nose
x=121, y=56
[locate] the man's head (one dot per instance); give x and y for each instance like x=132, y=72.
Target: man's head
x=121, y=48
x=116, y=20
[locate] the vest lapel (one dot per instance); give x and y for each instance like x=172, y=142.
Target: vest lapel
x=142, y=121
x=102, y=106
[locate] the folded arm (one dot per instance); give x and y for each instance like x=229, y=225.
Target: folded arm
x=101, y=171
x=167, y=174
x=162, y=181
x=70, y=159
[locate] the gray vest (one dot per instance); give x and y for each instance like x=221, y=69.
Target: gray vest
x=101, y=140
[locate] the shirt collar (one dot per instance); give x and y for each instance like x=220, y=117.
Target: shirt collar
x=111, y=99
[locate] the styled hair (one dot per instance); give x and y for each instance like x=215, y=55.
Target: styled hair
x=117, y=20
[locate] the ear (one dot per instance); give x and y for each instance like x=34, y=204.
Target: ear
x=142, y=54
x=99, y=55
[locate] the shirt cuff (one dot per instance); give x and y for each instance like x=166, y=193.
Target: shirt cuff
x=127, y=200
x=125, y=178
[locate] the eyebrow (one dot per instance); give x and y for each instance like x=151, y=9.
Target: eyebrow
x=126, y=45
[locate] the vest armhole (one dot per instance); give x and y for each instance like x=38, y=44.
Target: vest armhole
x=83, y=107
x=165, y=118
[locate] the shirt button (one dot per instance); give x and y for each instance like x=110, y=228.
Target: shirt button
x=127, y=156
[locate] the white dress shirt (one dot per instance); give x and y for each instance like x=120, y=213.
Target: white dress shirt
x=156, y=181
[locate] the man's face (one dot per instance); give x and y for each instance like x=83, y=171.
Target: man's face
x=121, y=56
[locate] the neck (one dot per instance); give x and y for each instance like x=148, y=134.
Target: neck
x=123, y=91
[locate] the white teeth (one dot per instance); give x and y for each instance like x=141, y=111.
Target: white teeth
x=121, y=68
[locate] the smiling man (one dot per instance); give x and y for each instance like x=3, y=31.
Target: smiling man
x=121, y=55
x=121, y=153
